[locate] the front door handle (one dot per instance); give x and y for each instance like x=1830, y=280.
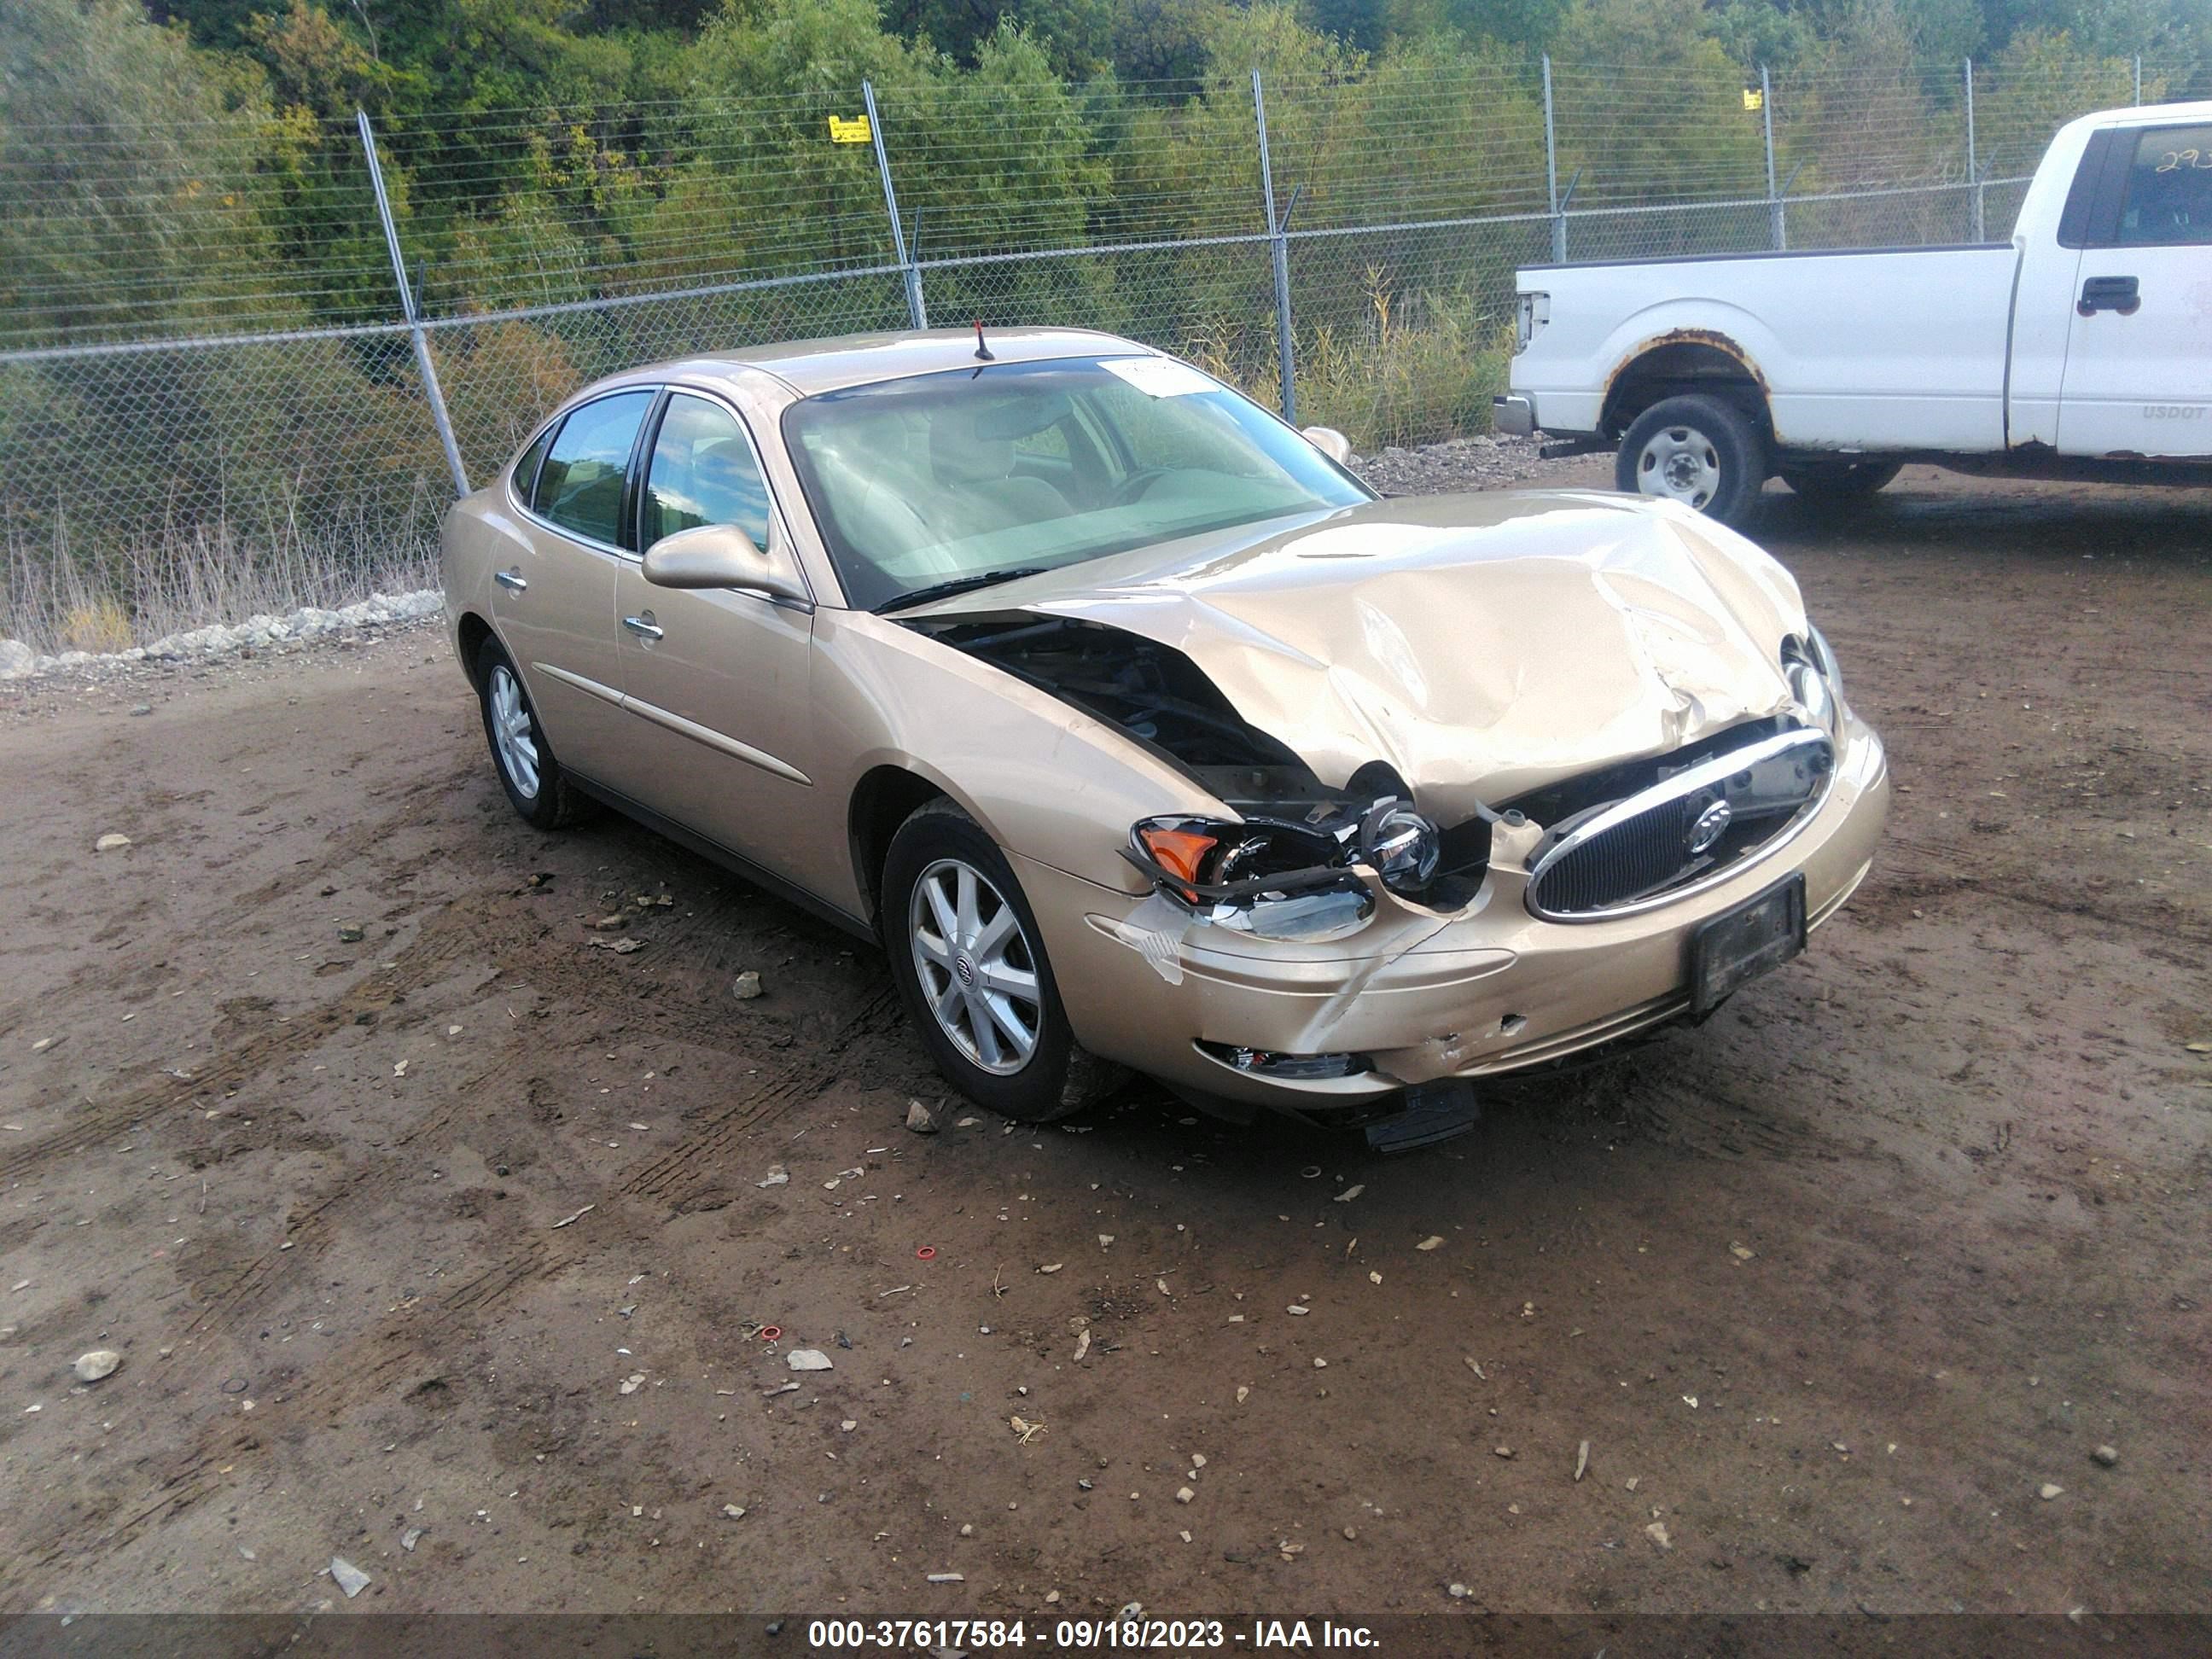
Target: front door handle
x=2109, y=294
x=511, y=579
x=643, y=626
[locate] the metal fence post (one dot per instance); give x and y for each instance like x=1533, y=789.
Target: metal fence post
x=2139, y=80
x=423, y=366
x=1552, y=173
x=1278, y=247
x=917, y=313
x=1777, y=226
x=1973, y=162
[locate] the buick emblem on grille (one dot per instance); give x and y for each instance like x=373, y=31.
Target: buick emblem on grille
x=1712, y=823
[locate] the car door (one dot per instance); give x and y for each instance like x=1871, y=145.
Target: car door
x=553, y=604
x=2138, y=377
x=715, y=680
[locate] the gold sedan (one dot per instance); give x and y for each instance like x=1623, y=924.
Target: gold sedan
x=1143, y=735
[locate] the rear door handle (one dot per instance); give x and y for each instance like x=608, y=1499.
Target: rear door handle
x=2109, y=294
x=511, y=579
x=643, y=626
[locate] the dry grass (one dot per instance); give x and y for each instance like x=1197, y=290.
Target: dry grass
x=1413, y=369
x=53, y=601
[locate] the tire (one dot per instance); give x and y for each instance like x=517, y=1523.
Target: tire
x=1840, y=483
x=938, y=855
x=1696, y=450
x=536, y=786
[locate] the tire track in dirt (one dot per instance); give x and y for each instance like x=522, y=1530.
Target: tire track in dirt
x=447, y=936
x=387, y=1356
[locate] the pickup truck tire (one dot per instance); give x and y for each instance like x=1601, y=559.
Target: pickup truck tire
x=1840, y=483
x=1696, y=450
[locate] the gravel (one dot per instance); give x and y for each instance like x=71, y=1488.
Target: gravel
x=215, y=642
x=1462, y=463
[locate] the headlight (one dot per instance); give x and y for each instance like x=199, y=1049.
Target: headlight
x=1403, y=846
x=1815, y=681
x=1275, y=881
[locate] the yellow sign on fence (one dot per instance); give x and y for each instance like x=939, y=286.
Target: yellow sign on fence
x=853, y=132
x=1753, y=98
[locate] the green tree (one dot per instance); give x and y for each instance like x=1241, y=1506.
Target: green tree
x=1163, y=40
x=1075, y=36
x=150, y=224
x=314, y=63
x=1650, y=108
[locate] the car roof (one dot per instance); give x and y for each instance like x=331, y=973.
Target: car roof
x=809, y=366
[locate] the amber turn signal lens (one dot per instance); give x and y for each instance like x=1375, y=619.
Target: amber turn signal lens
x=1177, y=851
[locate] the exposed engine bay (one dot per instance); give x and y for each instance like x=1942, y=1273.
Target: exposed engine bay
x=1299, y=833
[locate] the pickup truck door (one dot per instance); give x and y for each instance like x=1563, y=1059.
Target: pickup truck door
x=2138, y=379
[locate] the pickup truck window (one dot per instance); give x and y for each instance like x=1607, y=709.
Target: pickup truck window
x=2169, y=191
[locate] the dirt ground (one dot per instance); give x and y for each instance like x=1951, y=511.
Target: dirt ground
x=447, y=1250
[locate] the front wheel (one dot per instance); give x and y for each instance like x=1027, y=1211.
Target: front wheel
x=1698, y=451
x=1840, y=483
x=971, y=968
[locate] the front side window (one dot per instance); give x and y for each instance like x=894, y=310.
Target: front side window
x=2169, y=199
x=702, y=471
x=963, y=477
x=580, y=485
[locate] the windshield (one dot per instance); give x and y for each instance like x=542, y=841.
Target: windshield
x=976, y=474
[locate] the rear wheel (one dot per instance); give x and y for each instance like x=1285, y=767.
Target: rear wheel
x=971, y=969
x=535, y=784
x=1698, y=451
x=1839, y=484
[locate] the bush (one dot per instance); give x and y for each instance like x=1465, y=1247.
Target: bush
x=1418, y=368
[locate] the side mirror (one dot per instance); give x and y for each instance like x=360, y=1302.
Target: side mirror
x=1331, y=443
x=719, y=556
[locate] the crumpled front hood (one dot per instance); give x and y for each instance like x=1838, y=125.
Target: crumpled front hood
x=1482, y=644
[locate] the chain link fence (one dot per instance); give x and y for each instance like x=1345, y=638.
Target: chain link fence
x=232, y=353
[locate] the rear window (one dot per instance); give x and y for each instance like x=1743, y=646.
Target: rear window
x=2169, y=196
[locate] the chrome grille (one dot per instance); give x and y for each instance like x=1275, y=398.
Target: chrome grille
x=1638, y=849
x=1621, y=863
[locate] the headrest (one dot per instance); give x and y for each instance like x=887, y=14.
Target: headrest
x=961, y=454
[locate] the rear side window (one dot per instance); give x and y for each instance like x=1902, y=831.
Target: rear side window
x=2169, y=193
x=526, y=469
x=579, y=486
x=703, y=472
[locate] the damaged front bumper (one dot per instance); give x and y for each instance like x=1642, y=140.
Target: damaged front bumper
x=1417, y=997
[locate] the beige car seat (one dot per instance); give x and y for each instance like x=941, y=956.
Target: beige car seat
x=975, y=475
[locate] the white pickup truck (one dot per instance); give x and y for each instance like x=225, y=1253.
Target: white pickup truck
x=2082, y=349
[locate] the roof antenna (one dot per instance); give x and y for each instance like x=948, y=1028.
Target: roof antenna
x=982, y=351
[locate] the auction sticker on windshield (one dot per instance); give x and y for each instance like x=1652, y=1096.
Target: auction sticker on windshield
x=1158, y=377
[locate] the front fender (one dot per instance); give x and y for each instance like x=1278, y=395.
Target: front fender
x=885, y=694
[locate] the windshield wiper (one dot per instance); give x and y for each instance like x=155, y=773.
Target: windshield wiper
x=960, y=584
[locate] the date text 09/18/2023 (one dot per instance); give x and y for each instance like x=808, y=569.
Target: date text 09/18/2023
x=1128, y=1633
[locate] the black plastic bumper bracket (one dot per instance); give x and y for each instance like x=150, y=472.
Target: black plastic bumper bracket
x=1434, y=1112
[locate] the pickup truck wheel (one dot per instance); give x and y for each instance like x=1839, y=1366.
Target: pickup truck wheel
x=1833, y=483
x=1698, y=451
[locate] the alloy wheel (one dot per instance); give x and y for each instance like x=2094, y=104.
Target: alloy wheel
x=977, y=971
x=512, y=732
